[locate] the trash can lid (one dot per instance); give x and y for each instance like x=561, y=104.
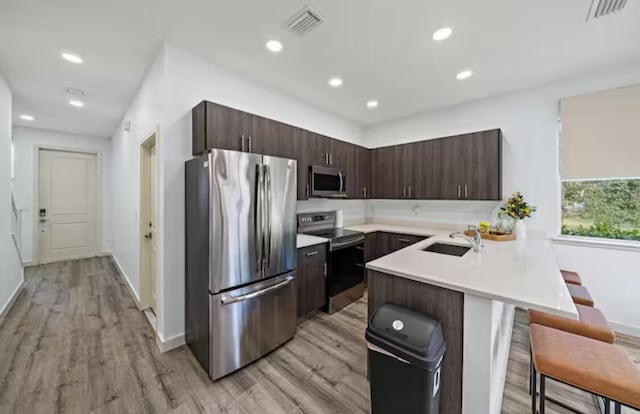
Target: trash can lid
x=407, y=334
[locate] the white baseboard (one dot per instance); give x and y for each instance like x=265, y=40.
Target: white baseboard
x=12, y=299
x=134, y=295
x=169, y=344
x=625, y=329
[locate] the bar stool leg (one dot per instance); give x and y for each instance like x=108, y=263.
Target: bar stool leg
x=531, y=374
x=542, y=393
x=617, y=407
x=534, y=376
x=607, y=406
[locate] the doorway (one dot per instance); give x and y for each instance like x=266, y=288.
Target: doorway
x=148, y=224
x=67, y=213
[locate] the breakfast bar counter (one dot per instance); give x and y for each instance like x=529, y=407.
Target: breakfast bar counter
x=474, y=297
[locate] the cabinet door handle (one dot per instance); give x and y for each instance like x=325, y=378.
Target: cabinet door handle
x=242, y=138
x=326, y=158
x=404, y=192
x=324, y=269
x=404, y=240
x=249, y=143
x=459, y=191
x=466, y=191
x=309, y=254
x=364, y=192
x=410, y=191
x=307, y=190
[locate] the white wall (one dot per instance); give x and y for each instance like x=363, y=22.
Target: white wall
x=145, y=115
x=529, y=120
x=176, y=83
x=10, y=267
x=26, y=142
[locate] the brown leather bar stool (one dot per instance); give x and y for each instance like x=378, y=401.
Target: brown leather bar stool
x=580, y=295
x=590, y=323
x=571, y=277
x=597, y=367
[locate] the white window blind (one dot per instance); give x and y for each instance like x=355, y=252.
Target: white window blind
x=600, y=135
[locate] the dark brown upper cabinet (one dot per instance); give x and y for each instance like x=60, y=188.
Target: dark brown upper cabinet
x=319, y=149
x=293, y=143
x=217, y=126
x=462, y=167
x=470, y=166
x=387, y=172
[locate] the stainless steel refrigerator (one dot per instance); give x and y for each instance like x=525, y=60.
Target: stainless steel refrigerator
x=240, y=257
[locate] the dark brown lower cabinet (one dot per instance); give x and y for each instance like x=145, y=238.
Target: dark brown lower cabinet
x=311, y=279
x=370, y=247
x=381, y=243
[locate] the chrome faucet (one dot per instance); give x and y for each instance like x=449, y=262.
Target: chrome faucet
x=475, y=241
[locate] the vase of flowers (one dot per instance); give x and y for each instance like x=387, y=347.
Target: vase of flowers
x=518, y=209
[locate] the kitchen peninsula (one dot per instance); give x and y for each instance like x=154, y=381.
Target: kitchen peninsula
x=473, y=296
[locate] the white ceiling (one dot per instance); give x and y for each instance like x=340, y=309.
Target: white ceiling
x=382, y=49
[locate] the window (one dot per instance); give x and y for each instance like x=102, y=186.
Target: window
x=601, y=208
x=599, y=147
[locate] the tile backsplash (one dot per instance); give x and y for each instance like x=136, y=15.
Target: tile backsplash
x=427, y=211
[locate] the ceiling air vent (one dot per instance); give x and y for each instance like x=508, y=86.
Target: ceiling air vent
x=601, y=8
x=303, y=21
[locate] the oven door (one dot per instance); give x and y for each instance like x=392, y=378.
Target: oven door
x=345, y=276
x=327, y=182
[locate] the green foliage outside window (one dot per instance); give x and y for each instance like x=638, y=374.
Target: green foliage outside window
x=606, y=209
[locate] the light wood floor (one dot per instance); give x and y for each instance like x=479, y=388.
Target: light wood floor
x=74, y=342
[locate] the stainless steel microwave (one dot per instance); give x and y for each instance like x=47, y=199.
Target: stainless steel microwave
x=327, y=182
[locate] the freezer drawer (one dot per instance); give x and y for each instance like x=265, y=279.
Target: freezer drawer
x=249, y=322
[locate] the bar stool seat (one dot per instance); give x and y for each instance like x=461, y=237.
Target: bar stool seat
x=594, y=366
x=580, y=295
x=571, y=277
x=591, y=323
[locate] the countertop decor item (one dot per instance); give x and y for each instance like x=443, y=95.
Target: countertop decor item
x=518, y=209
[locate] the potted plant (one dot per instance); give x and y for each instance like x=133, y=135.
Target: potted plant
x=518, y=209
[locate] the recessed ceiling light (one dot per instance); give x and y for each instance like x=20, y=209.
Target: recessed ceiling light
x=70, y=57
x=372, y=104
x=465, y=74
x=76, y=103
x=335, y=82
x=27, y=117
x=442, y=34
x=274, y=46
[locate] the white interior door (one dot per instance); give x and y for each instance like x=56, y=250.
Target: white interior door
x=151, y=239
x=68, y=201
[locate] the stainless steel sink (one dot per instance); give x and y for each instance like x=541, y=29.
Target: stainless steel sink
x=450, y=249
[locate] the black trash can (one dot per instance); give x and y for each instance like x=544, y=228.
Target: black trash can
x=405, y=357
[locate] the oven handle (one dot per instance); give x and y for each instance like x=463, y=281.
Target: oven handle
x=227, y=300
x=344, y=245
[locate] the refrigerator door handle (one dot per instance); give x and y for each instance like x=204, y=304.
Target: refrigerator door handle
x=267, y=178
x=227, y=300
x=258, y=222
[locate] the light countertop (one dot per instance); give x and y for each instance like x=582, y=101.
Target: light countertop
x=391, y=228
x=305, y=240
x=523, y=272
